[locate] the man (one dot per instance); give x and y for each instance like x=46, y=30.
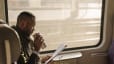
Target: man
x=29, y=48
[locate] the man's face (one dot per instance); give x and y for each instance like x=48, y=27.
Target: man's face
x=29, y=28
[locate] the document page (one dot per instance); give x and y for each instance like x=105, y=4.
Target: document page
x=58, y=50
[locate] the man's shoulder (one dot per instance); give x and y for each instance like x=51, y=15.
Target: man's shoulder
x=14, y=27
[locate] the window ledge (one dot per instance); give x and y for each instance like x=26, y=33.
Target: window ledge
x=68, y=56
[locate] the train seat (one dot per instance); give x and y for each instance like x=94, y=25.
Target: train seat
x=9, y=44
x=111, y=53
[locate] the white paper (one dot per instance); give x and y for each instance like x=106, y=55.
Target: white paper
x=58, y=50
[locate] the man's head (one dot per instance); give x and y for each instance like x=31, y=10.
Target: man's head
x=26, y=22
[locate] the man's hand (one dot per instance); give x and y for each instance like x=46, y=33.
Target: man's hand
x=38, y=40
x=44, y=59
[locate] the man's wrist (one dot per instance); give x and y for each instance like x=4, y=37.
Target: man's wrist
x=35, y=52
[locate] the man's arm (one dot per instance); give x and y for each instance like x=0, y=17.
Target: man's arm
x=33, y=59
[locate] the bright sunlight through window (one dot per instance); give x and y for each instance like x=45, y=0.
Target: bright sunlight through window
x=76, y=23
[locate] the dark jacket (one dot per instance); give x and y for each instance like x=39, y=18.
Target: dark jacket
x=26, y=46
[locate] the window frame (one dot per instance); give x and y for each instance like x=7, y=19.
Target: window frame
x=75, y=48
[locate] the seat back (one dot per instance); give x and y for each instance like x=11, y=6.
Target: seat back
x=111, y=53
x=9, y=45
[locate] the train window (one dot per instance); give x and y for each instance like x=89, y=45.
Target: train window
x=76, y=23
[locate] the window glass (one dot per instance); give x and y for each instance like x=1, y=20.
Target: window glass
x=76, y=23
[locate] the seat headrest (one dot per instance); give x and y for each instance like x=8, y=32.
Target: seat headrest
x=10, y=36
x=2, y=21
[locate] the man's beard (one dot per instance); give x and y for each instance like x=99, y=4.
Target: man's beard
x=27, y=33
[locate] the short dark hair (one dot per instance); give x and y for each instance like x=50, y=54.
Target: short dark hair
x=24, y=16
